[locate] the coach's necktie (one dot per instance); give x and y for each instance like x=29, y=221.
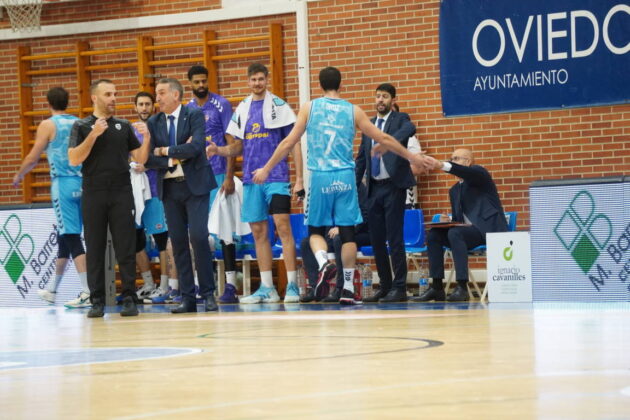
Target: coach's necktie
x=172, y=133
x=376, y=161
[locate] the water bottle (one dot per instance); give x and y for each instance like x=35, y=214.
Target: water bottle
x=423, y=281
x=366, y=280
x=301, y=280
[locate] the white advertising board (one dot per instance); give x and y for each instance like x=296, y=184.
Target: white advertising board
x=28, y=255
x=509, y=267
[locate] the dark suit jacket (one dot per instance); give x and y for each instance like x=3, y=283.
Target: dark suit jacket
x=197, y=170
x=477, y=196
x=399, y=126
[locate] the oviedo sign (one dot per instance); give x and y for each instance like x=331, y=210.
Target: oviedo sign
x=500, y=56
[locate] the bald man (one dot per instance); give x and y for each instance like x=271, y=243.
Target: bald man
x=474, y=202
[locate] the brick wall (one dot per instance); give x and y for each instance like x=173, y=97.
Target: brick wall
x=373, y=42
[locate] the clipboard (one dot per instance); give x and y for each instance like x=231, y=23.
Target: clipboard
x=445, y=225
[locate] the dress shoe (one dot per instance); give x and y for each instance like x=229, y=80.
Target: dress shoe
x=309, y=296
x=97, y=310
x=129, y=307
x=460, y=294
x=381, y=293
x=334, y=296
x=210, y=304
x=394, y=295
x=430, y=294
x=185, y=306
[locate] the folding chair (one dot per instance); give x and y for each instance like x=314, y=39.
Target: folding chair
x=510, y=217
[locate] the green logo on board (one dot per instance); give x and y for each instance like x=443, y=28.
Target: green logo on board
x=583, y=233
x=16, y=249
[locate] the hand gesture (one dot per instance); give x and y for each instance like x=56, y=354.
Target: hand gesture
x=16, y=180
x=99, y=126
x=298, y=190
x=378, y=150
x=260, y=175
x=142, y=129
x=212, y=149
x=332, y=232
x=228, y=186
x=139, y=168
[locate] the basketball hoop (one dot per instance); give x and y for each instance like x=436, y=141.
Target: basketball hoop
x=23, y=14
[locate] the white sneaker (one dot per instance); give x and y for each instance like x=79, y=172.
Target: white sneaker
x=82, y=301
x=292, y=294
x=262, y=295
x=145, y=291
x=47, y=295
x=155, y=293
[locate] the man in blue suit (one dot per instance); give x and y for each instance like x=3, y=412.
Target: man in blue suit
x=185, y=180
x=475, y=203
x=388, y=178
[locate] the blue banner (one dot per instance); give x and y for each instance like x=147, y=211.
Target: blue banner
x=504, y=56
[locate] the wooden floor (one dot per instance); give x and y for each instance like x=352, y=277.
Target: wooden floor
x=402, y=361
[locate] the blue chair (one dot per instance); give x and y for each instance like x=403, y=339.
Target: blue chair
x=413, y=232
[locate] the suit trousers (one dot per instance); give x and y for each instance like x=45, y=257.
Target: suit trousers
x=386, y=216
x=460, y=239
x=102, y=207
x=187, y=219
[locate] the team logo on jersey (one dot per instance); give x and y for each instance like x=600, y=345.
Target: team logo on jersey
x=118, y=126
x=255, y=128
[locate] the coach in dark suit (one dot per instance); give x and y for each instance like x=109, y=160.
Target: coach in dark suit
x=184, y=182
x=388, y=178
x=474, y=201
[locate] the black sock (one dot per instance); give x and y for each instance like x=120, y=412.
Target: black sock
x=437, y=284
x=463, y=283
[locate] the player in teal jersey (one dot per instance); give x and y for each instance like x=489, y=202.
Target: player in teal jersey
x=52, y=137
x=329, y=123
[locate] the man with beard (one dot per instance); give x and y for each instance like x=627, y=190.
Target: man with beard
x=329, y=123
x=153, y=223
x=217, y=112
x=103, y=143
x=259, y=123
x=388, y=178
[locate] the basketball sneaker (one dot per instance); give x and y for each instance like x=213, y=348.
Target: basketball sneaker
x=264, y=294
x=155, y=293
x=82, y=301
x=47, y=296
x=145, y=291
x=326, y=274
x=229, y=295
x=292, y=294
x=165, y=297
x=347, y=298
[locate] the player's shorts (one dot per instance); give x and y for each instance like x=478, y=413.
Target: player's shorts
x=220, y=178
x=333, y=199
x=257, y=204
x=153, y=218
x=65, y=192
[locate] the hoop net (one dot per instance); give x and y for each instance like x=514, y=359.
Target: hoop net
x=23, y=14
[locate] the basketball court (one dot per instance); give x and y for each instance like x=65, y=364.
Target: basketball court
x=319, y=361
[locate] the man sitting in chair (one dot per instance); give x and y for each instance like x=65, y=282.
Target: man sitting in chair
x=476, y=205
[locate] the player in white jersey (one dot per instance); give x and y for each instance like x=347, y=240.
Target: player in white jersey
x=52, y=137
x=329, y=123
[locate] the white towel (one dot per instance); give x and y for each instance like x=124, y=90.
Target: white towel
x=276, y=113
x=141, y=191
x=225, y=215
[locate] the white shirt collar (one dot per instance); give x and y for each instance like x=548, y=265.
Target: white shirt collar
x=176, y=112
x=383, y=118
